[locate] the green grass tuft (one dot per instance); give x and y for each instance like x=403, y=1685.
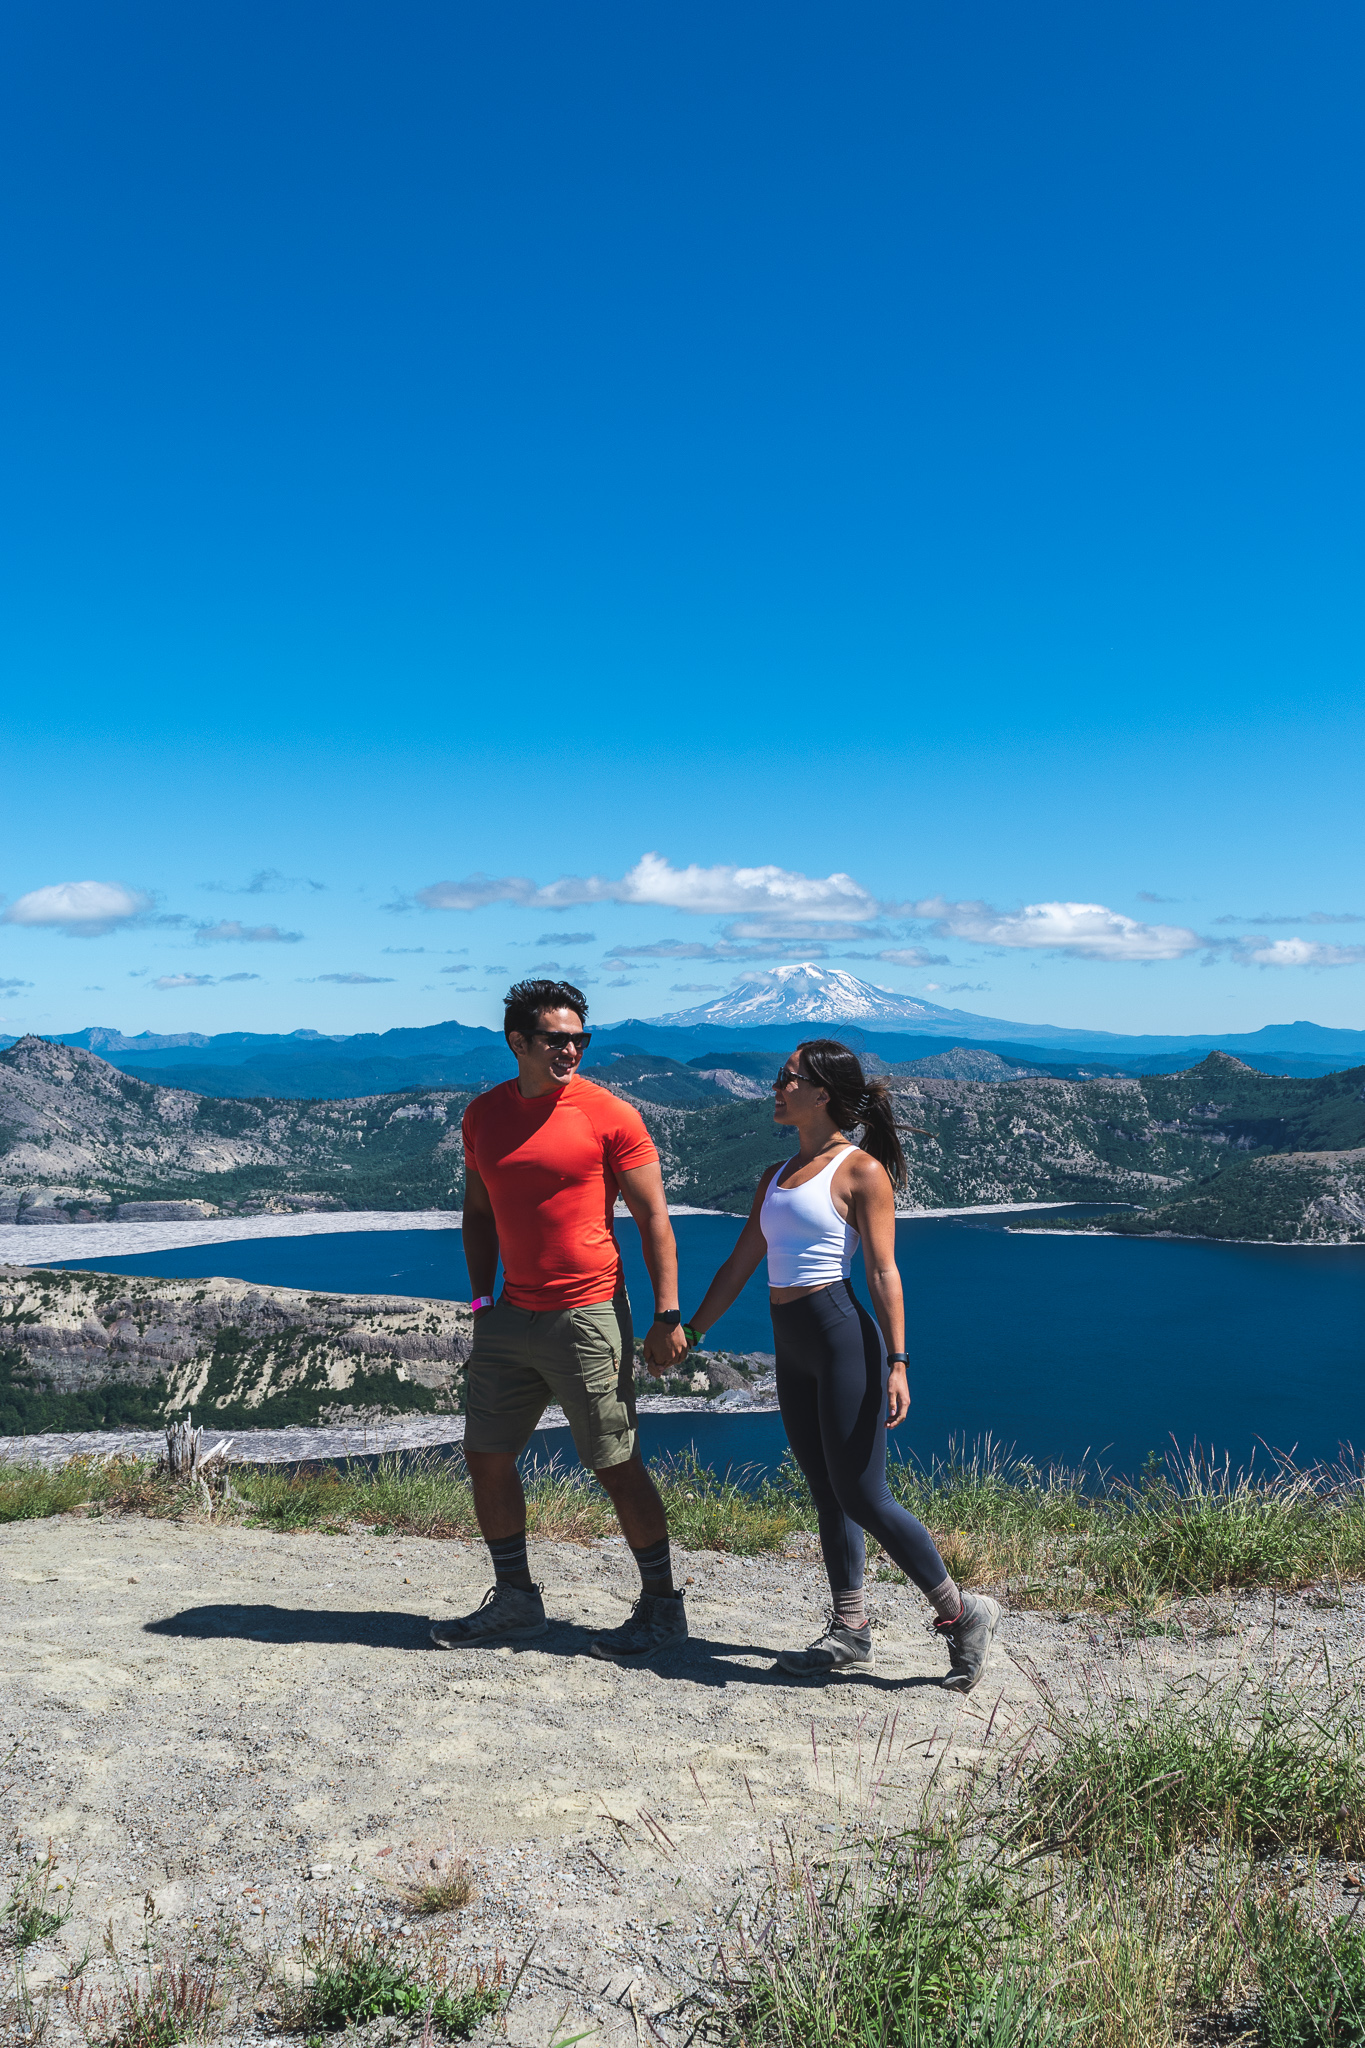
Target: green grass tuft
x=1312, y=1980
x=356, y=1975
x=1262, y=1766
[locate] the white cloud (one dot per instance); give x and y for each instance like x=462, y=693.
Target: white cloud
x=350, y=980
x=183, y=981
x=241, y=977
x=9, y=988
x=1088, y=931
x=455, y=970
x=768, y=892
x=695, y=988
x=1313, y=917
x=903, y=956
x=800, y=930
x=566, y=939
x=956, y=988
x=265, y=882
x=228, y=931
x=1296, y=953
x=721, y=949
x=83, y=910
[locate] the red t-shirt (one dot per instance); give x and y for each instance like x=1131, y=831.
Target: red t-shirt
x=550, y=1165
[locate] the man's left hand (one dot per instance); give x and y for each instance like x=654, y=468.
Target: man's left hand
x=664, y=1348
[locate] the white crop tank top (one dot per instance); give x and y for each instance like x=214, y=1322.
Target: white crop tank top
x=809, y=1244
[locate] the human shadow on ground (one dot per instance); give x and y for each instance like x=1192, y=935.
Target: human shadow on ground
x=371, y=1628
x=701, y=1660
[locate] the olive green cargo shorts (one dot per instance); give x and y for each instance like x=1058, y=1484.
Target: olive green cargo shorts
x=581, y=1358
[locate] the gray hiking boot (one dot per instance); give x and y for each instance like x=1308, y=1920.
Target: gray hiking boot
x=658, y=1622
x=840, y=1648
x=969, y=1640
x=504, y=1614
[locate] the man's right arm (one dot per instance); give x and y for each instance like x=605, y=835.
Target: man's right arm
x=480, y=1232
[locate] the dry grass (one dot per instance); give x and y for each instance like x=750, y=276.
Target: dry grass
x=449, y=1893
x=1147, y=1918
x=1045, y=1538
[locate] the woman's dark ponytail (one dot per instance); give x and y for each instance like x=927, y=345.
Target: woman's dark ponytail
x=856, y=1103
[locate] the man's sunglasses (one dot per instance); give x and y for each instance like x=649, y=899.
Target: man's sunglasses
x=559, y=1041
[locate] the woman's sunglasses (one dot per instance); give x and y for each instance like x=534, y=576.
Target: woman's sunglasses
x=786, y=1079
x=559, y=1041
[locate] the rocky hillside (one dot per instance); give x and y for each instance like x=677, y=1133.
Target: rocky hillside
x=75, y=1131
x=1287, y=1198
x=1116, y=1139
x=93, y=1350
x=76, y=1137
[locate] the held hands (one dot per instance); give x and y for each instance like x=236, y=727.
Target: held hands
x=664, y=1348
x=897, y=1397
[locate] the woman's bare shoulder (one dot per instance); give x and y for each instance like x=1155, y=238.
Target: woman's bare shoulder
x=861, y=1168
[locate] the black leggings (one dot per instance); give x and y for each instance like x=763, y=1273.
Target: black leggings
x=831, y=1388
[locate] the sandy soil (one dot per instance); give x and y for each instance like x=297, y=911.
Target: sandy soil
x=209, y=1714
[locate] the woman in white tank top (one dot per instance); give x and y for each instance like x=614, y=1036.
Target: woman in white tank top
x=841, y=1377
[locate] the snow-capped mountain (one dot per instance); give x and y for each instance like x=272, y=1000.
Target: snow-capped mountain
x=808, y=994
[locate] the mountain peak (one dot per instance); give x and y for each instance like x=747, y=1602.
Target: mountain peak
x=805, y=993
x=47, y=1059
x=1224, y=1063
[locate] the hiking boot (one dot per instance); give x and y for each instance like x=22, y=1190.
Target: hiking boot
x=969, y=1640
x=656, y=1623
x=503, y=1615
x=840, y=1648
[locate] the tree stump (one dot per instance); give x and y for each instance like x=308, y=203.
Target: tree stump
x=184, y=1449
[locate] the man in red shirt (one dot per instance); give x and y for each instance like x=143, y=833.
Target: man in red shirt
x=545, y=1157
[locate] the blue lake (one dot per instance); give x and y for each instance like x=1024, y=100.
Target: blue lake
x=1057, y=1345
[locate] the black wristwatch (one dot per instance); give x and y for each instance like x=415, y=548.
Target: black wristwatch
x=669, y=1317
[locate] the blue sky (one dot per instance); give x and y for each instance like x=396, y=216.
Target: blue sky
x=908, y=444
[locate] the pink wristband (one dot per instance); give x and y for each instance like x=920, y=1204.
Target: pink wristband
x=480, y=1301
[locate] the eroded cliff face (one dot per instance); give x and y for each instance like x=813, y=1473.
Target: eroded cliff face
x=75, y=1131
x=1286, y=1198
x=231, y=1351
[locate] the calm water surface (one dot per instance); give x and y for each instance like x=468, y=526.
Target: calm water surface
x=1057, y=1345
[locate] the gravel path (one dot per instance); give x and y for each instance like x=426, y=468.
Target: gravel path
x=228, y=1719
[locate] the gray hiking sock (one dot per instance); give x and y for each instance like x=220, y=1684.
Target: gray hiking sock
x=849, y=1607
x=510, y=1564
x=656, y=1567
x=946, y=1601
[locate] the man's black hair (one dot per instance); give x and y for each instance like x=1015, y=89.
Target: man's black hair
x=526, y=999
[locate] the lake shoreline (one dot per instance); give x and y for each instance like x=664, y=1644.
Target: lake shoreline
x=44, y=1244
x=1275, y=1244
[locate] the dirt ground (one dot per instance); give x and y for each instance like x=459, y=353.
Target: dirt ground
x=230, y=1720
